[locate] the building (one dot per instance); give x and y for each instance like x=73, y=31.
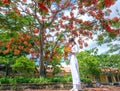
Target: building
x=110, y=75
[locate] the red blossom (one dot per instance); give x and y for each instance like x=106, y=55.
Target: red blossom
x=110, y=30
x=90, y=33
x=107, y=28
x=117, y=31
x=24, y=1
x=6, y=2
x=64, y=17
x=94, y=1
x=87, y=22
x=108, y=3
x=115, y=19
x=42, y=7
x=74, y=7
x=80, y=5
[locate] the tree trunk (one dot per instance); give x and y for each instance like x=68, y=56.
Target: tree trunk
x=41, y=70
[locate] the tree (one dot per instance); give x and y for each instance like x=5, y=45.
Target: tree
x=110, y=39
x=88, y=64
x=109, y=61
x=12, y=46
x=47, y=20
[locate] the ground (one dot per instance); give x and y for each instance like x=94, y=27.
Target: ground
x=102, y=88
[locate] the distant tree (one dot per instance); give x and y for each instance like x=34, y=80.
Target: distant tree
x=109, y=61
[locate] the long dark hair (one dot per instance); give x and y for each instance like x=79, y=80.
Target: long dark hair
x=72, y=40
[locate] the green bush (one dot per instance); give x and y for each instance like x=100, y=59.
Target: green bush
x=4, y=81
x=55, y=79
x=22, y=80
x=61, y=79
x=18, y=80
x=38, y=80
x=68, y=78
x=86, y=80
x=12, y=81
x=24, y=66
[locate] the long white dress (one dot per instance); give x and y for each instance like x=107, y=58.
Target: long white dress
x=75, y=68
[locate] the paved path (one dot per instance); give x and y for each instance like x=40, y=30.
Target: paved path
x=46, y=90
x=106, y=88
x=103, y=88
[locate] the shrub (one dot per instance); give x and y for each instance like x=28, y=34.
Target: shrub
x=22, y=80
x=24, y=66
x=17, y=80
x=86, y=80
x=4, y=81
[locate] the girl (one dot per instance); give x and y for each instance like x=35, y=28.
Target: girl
x=74, y=66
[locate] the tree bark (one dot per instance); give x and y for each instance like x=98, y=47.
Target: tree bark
x=41, y=63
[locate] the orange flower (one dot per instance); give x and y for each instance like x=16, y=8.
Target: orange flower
x=36, y=30
x=18, y=41
x=29, y=45
x=22, y=38
x=67, y=49
x=25, y=42
x=27, y=50
x=21, y=47
x=27, y=37
x=14, y=46
x=12, y=40
x=16, y=52
x=5, y=51
x=31, y=51
x=17, y=11
x=7, y=46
